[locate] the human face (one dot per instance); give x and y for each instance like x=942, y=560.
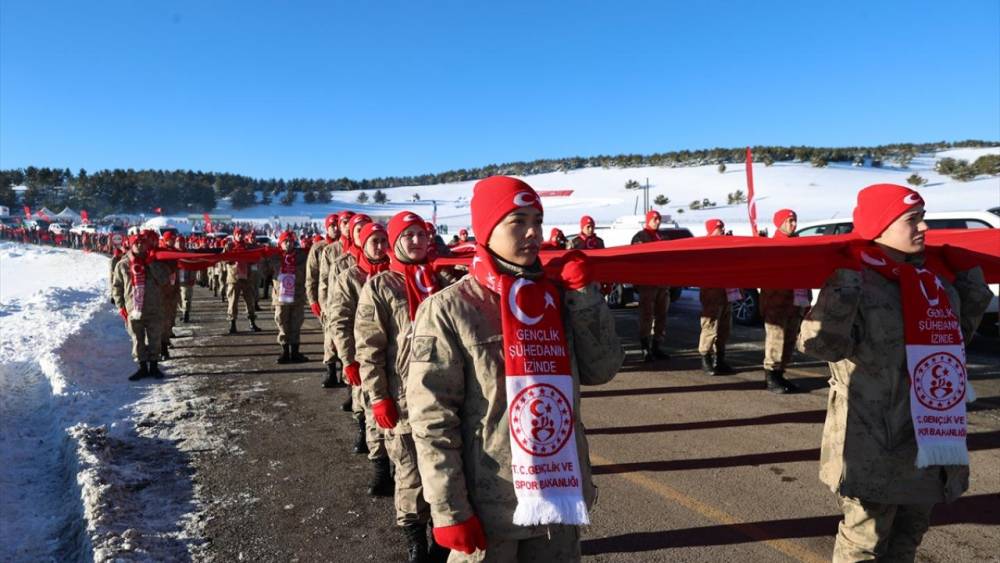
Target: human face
x=517, y=237
x=356, y=233
x=343, y=225
x=906, y=233
x=333, y=231
x=653, y=224
x=788, y=227
x=288, y=244
x=412, y=243
x=587, y=229
x=376, y=246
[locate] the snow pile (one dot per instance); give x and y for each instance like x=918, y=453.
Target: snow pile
x=815, y=193
x=80, y=480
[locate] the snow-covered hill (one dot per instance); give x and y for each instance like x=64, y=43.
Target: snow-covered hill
x=816, y=193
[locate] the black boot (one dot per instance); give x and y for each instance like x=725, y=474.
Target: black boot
x=253, y=325
x=331, y=381
x=187, y=316
x=416, y=543
x=361, y=440
x=154, y=370
x=381, y=484
x=297, y=357
x=647, y=353
x=232, y=327
x=285, y=356
x=165, y=350
x=437, y=553
x=654, y=349
x=776, y=382
x=721, y=367
x=348, y=405
x=708, y=364
x=139, y=373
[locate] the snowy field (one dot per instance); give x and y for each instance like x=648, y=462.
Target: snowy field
x=91, y=463
x=815, y=193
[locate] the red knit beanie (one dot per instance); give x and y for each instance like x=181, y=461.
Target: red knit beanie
x=782, y=215
x=355, y=219
x=495, y=197
x=881, y=204
x=285, y=235
x=344, y=215
x=331, y=219
x=649, y=215
x=588, y=220
x=400, y=222
x=713, y=224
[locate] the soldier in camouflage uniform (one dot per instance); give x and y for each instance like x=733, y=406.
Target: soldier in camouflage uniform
x=345, y=292
x=716, y=319
x=171, y=297
x=654, y=300
x=141, y=311
x=869, y=448
x=331, y=253
x=341, y=257
x=457, y=399
x=288, y=295
x=316, y=287
x=783, y=310
x=239, y=286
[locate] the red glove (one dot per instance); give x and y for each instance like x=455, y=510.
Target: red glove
x=123, y=313
x=572, y=270
x=352, y=374
x=316, y=309
x=466, y=536
x=385, y=413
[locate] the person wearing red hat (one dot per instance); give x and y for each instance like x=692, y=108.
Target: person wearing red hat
x=239, y=285
x=557, y=240
x=330, y=253
x=185, y=281
x=716, y=317
x=783, y=310
x=288, y=296
x=316, y=288
x=893, y=328
x=369, y=257
x=346, y=257
x=493, y=389
x=171, y=295
x=586, y=240
x=386, y=307
x=654, y=300
x=462, y=238
x=137, y=291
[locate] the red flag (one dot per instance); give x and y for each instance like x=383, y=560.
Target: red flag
x=751, y=202
x=158, y=210
x=208, y=223
x=84, y=217
x=27, y=212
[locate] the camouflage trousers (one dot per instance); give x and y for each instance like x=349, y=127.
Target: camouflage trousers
x=715, y=327
x=781, y=329
x=169, y=318
x=329, y=348
x=562, y=544
x=373, y=434
x=187, y=294
x=237, y=290
x=145, y=333
x=653, y=304
x=289, y=318
x=411, y=508
x=872, y=531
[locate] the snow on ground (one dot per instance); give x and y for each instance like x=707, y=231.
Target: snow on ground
x=87, y=472
x=815, y=193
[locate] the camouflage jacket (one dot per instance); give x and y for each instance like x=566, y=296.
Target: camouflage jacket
x=382, y=331
x=312, y=271
x=713, y=300
x=457, y=400
x=779, y=304
x=869, y=449
x=343, y=299
x=157, y=275
x=301, y=263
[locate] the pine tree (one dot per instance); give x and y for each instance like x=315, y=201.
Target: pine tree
x=362, y=197
x=722, y=168
x=380, y=197
x=916, y=180
x=661, y=199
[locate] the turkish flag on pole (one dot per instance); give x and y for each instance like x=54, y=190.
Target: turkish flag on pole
x=751, y=202
x=27, y=212
x=158, y=210
x=84, y=217
x=208, y=222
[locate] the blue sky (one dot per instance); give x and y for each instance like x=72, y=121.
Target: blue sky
x=365, y=89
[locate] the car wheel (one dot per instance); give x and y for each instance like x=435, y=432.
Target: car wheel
x=747, y=310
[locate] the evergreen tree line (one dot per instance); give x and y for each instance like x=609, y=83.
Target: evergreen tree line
x=186, y=191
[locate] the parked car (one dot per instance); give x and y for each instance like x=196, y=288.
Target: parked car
x=747, y=311
x=623, y=294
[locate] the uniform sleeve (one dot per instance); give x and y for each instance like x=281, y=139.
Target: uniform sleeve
x=324, y=274
x=599, y=353
x=975, y=296
x=342, y=309
x=371, y=340
x=435, y=391
x=118, y=287
x=830, y=330
x=312, y=275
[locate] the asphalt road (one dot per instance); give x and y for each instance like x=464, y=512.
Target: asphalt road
x=690, y=467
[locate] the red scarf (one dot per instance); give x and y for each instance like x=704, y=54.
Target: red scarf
x=367, y=266
x=935, y=359
x=589, y=242
x=539, y=384
x=420, y=282
x=286, y=276
x=137, y=269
